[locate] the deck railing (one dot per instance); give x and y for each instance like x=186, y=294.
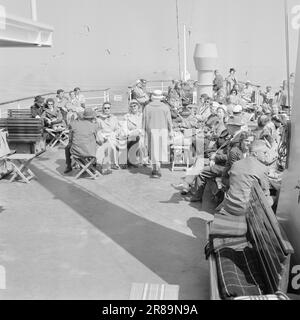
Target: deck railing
x=93, y=99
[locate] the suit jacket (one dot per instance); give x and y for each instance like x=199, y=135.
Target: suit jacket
x=83, y=138
x=242, y=175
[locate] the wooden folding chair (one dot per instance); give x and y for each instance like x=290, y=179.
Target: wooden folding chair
x=57, y=137
x=86, y=165
x=20, y=163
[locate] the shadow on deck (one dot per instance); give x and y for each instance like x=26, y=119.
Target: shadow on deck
x=175, y=257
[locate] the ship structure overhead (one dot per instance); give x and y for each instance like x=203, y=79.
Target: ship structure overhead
x=22, y=32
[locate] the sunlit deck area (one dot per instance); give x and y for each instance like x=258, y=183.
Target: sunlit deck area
x=63, y=238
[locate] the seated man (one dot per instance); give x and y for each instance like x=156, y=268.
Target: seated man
x=219, y=158
x=83, y=138
x=108, y=130
x=37, y=109
x=242, y=175
x=185, y=120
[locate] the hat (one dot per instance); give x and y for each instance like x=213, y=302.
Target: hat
x=224, y=108
x=215, y=104
x=237, y=109
x=276, y=118
x=143, y=81
x=204, y=96
x=248, y=81
x=157, y=95
x=89, y=113
x=133, y=102
x=266, y=110
x=39, y=99
x=224, y=134
x=250, y=107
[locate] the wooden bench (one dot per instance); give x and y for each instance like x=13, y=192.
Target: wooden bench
x=23, y=131
x=269, y=245
x=19, y=113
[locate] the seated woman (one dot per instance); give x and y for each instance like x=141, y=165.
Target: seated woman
x=52, y=116
x=215, y=129
x=108, y=131
x=132, y=129
x=75, y=110
x=233, y=98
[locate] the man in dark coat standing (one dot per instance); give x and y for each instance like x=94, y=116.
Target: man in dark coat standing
x=157, y=130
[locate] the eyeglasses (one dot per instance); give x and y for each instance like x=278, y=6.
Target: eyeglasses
x=106, y=108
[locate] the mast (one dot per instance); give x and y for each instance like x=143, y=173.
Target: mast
x=178, y=39
x=287, y=39
x=184, y=55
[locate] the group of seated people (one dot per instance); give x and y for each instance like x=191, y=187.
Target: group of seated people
x=240, y=143
x=227, y=132
x=57, y=113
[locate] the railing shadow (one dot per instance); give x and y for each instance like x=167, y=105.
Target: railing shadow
x=175, y=257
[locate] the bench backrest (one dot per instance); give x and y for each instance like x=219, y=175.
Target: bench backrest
x=19, y=113
x=22, y=129
x=269, y=240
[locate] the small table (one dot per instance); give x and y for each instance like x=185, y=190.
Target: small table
x=20, y=164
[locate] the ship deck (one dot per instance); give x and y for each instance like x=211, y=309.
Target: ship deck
x=62, y=238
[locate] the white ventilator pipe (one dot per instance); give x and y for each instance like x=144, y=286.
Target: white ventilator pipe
x=33, y=10
x=205, y=58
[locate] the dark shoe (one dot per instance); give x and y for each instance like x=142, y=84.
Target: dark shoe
x=106, y=172
x=185, y=192
x=196, y=198
x=124, y=166
x=68, y=170
x=155, y=175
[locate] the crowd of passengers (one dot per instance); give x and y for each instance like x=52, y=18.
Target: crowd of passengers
x=239, y=130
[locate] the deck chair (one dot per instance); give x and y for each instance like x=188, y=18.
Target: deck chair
x=20, y=163
x=86, y=165
x=57, y=136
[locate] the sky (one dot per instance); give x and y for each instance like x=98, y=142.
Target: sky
x=104, y=43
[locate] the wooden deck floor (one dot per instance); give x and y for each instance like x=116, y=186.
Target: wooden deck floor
x=62, y=238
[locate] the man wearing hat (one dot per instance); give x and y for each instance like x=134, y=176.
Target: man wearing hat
x=37, y=109
x=216, y=168
x=157, y=129
x=83, y=138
